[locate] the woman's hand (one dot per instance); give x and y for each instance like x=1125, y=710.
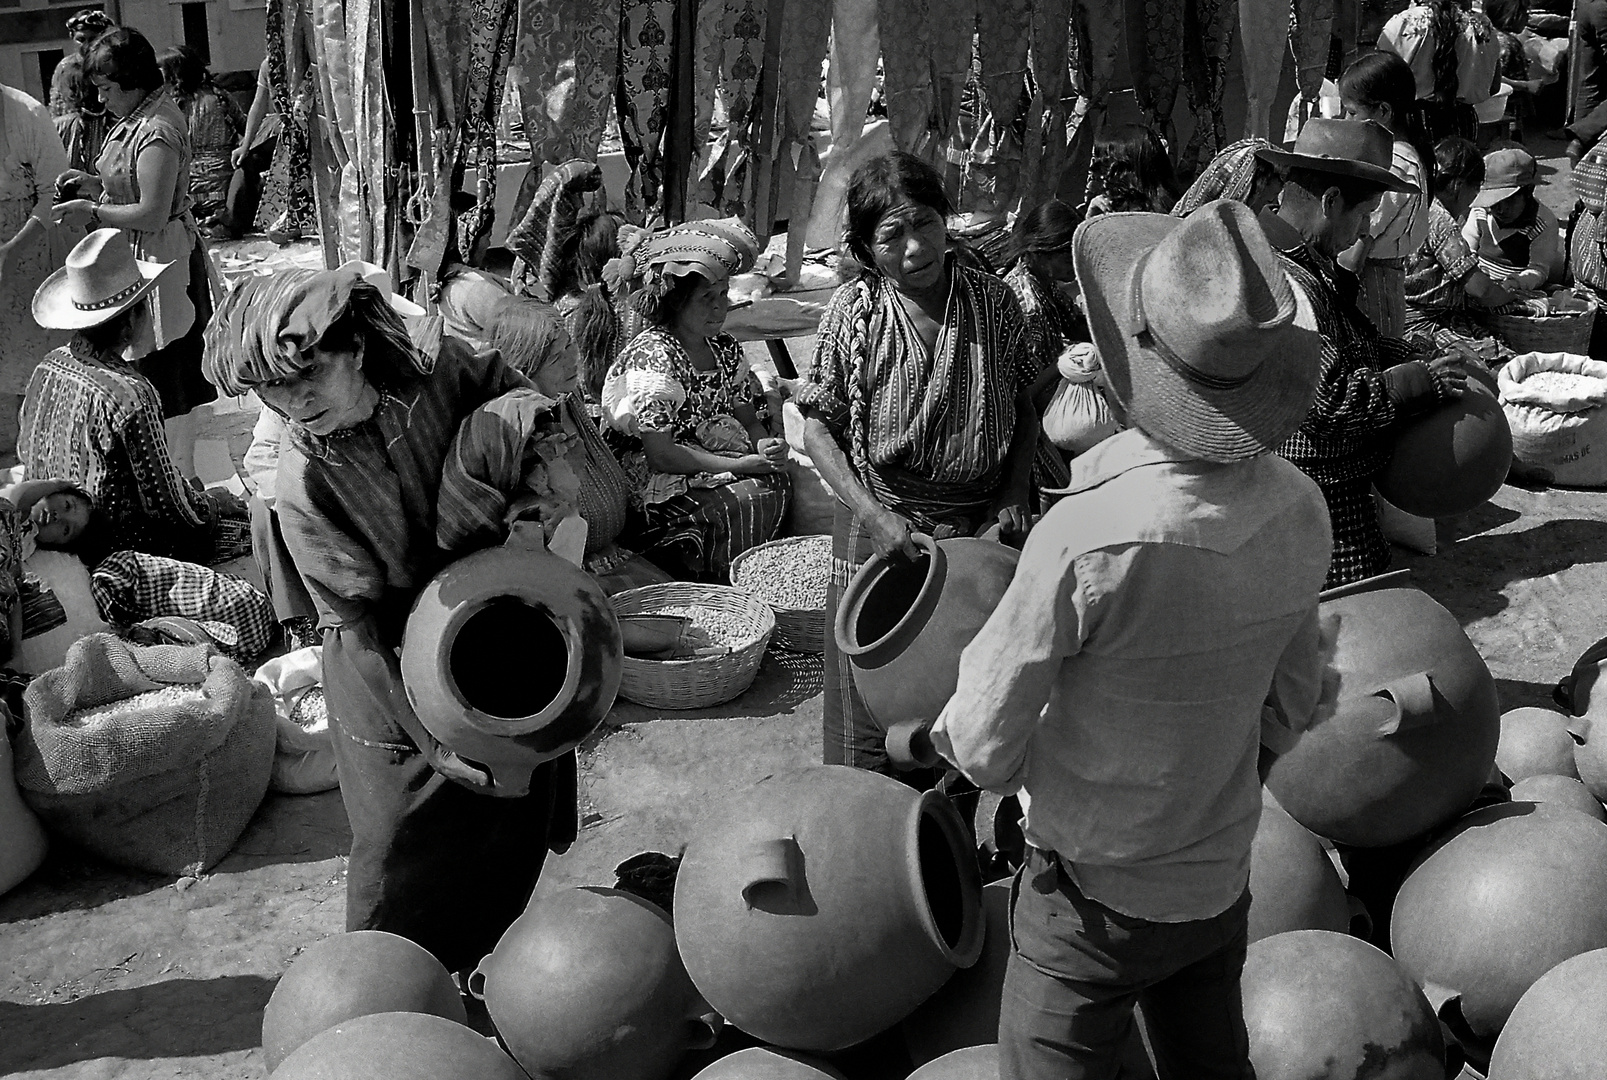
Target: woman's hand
x=1015, y=521
x=754, y=465
x=890, y=535
x=78, y=184
x=237, y=155
x=773, y=450
x=74, y=212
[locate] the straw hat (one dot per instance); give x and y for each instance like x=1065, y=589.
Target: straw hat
x=1358, y=149
x=101, y=280
x=1203, y=337
x=380, y=278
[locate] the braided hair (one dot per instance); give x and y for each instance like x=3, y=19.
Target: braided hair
x=1446, y=31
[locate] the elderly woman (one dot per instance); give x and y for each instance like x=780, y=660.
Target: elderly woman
x=916, y=407
x=143, y=188
x=90, y=418
x=369, y=421
x=690, y=422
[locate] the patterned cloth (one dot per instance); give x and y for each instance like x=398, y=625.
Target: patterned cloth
x=131, y=587
x=216, y=124
x=1435, y=272
x=96, y=422
x=82, y=133
x=1208, y=27
x=1361, y=550
x=648, y=60
x=287, y=200
x=540, y=232
x=31, y=157
x=1398, y=227
x=1412, y=36
x=1230, y=175
x=1053, y=321
x=927, y=433
x=1503, y=251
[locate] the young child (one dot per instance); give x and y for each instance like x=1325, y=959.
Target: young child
x=1517, y=241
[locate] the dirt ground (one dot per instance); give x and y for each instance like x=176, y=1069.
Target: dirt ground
x=109, y=974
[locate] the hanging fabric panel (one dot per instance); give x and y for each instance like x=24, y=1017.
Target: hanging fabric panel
x=805, y=34
x=340, y=204
x=372, y=143
x=1096, y=39
x=708, y=57
x=287, y=202
x=850, y=81
x=1155, y=49
x=1002, y=41
x=1044, y=153
x=1208, y=39
x=647, y=49
x=567, y=52
x=907, y=73
x=741, y=63
x=1310, y=32
x=1264, y=36
x=953, y=33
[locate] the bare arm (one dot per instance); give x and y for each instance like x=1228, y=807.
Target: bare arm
x=1485, y=291
x=259, y=110
x=666, y=455
x=158, y=173
x=889, y=532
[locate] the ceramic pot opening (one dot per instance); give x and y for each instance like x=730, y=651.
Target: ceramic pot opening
x=509, y=659
x=940, y=853
x=890, y=598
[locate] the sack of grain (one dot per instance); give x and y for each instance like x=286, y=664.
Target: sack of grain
x=152, y=757
x=1553, y=403
x=1078, y=416
x=304, y=760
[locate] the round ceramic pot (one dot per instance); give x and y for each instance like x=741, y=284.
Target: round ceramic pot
x=766, y=1063
x=1452, y=459
x=965, y=1010
x=1293, y=883
x=1558, y=1031
x=398, y=1046
x=22, y=838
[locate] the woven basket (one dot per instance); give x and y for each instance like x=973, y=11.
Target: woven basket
x=702, y=680
x=1569, y=333
x=797, y=629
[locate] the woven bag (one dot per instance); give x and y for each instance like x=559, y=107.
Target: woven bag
x=165, y=785
x=1589, y=179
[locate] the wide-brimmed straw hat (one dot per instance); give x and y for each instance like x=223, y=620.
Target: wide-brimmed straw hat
x=1204, y=338
x=1508, y=171
x=1357, y=149
x=100, y=280
x=380, y=278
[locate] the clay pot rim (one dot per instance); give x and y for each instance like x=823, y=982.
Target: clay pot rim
x=891, y=645
x=967, y=949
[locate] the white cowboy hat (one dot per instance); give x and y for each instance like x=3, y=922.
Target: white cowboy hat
x=380, y=278
x=1203, y=337
x=100, y=280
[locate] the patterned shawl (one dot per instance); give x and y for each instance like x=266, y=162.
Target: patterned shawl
x=538, y=238
x=1229, y=176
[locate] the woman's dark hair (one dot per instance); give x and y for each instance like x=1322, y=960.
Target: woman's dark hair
x=1382, y=78
x=1048, y=226
x=117, y=332
x=73, y=87
x=1509, y=16
x=877, y=187
x=1447, y=78
x=587, y=247
x=184, y=69
x=661, y=307
x=124, y=57
x=1456, y=160
x=1131, y=162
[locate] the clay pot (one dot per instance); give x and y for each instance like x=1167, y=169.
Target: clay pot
x=903, y=624
x=971, y=1063
x=1558, y=1031
x=1514, y=891
x=351, y=975
x=1409, y=735
x=1590, y=747
x=965, y=1011
x=1559, y=791
x=1293, y=883
x=398, y=1046
x=1318, y=1003
x=820, y=906
x=22, y=838
x=512, y=656
x=765, y=1063
x=1535, y=742
x=587, y=984
x=1450, y=460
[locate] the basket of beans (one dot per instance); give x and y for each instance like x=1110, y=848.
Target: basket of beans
x=712, y=655
x=791, y=576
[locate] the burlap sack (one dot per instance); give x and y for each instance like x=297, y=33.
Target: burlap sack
x=167, y=786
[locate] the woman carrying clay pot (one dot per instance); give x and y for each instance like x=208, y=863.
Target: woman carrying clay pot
x=916, y=407
x=369, y=422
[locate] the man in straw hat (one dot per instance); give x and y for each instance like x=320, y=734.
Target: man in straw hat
x=1334, y=177
x=1119, y=686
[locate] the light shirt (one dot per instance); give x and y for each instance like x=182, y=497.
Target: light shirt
x=262, y=456
x=1413, y=36
x=1546, y=256
x=1120, y=684
x=1400, y=223
x=31, y=153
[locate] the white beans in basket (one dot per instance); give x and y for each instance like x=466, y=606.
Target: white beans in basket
x=721, y=628
x=788, y=576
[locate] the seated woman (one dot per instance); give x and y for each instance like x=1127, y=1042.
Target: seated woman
x=536, y=453
x=935, y=443
x=90, y=418
x=1445, y=288
x=691, y=426
x=1516, y=239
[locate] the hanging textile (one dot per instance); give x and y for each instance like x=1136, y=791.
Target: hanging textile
x=907, y=73
x=708, y=57
x=850, y=81
x=1044, y=151
x=1311, y=30
x=287, y=199
x=1155, y=34
x=741, y=64
x=1264, y=42
x=372, y=142
x=1003, y=38
x=647, y=49
x=1208, y=38
x=1097, y=30
x=953, y=34
x=336, y=138
x=805, y=33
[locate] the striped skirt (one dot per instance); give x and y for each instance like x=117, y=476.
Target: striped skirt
x=696, y=534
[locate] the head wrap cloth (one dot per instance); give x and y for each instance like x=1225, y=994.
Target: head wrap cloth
x=715, y=250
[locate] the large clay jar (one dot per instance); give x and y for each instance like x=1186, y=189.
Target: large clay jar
x=903, y=624
x=1535, y=742
x=351, y=975
x=1409, y=735
x=22, y=838
x=965, y=1012
x=1514, y=892
x=398, y=1046
x=587, y=985
x=820, y=906
x=1590, y=750
x=512, y=656
x=1322, y=1004
x=971, y=1063
x=1559, y=791
x=1293, y=883
x=765, y=1063
x=1559, y=1029
x=1452, y=459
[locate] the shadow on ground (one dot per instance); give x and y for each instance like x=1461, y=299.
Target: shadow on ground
x=286, y=829
x=1471, y=583
x=177, y=1018
x=785, y=681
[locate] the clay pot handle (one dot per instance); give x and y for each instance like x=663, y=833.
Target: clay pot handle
x=1447, y=1006
x=909, y=746
x=1413, y=696
x=702, y=1032
x=475, y=983
x=774, y=866
x=1361, y=920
